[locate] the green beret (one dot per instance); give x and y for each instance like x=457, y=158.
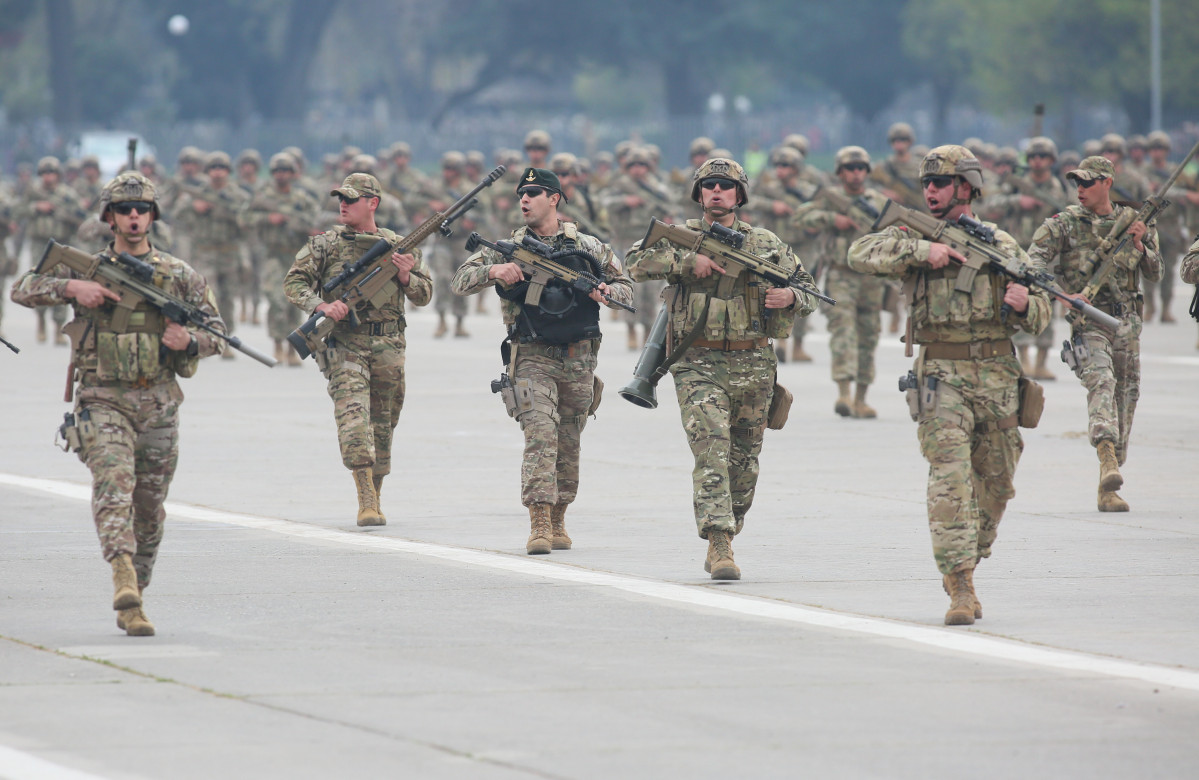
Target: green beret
x=540, y=177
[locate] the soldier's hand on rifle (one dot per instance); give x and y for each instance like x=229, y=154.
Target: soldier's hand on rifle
x=508, y=273
x=336, y=311
x=176, y=336
x=599, y=292
x=1028, y=203
x=633, y=201
x=200, y=206
x=779, y=297
x=842, y=222
x=704, y=266
x=1016, y=296
x=89, y=293
x=404, y=264
x=939, y=255
x=1137, y=231
x=781, y=208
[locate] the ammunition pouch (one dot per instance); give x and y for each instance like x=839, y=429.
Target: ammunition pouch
x=1032, y=403
x=68, y=438
x=780, y=407
x=520, y=398
x=921, y=396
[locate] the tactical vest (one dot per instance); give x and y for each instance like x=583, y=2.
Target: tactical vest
x=564, y=314
x=936, y=302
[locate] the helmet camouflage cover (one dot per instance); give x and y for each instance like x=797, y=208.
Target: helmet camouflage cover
x=128, y=186
x=901, y=130
x=1042, y=145
x=851, y=154
x=953, y=160
x=721, y=168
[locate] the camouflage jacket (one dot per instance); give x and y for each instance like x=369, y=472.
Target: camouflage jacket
x=221, y=223
x=1004, y=206
x=323, y=257
x=761, y=207
x=1065, y=242
x=938, y=312
x=631, y=222
x=472, y=275
x=585, y=212
x=819, y=216
x=902, y=178
x=60, y=223
x=107, y=351
x=89, y=193
x=297, y=207
x=737, y=309
x=412, y=188
x=1190, y=264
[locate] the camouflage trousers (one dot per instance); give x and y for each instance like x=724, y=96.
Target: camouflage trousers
x=132, y=455
x=444, y=259
x=282, y=317
x=970, y=467
x=1172, y=247
x=724, y=398
x=1112, y=377
x=221, y=266
x=854, y=323
x=366, y=384
x=549, y=471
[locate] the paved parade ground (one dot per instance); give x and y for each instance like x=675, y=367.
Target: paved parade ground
x=293, y=644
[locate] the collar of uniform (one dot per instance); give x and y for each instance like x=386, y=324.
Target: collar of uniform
x=738, y=225
x=525, y=230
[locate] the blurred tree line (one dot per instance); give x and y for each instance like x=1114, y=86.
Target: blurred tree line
x=113, y=61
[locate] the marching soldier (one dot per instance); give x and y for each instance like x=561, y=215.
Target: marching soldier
x=127, y=398
x=551, y=353
x=1171, y=225
x=364, y=363
x=725, y=377
x=577, y=205
x=899, y=175
x=967, y=373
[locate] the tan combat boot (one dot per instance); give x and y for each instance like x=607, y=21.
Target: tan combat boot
x=378, y=480
x=861, y=409
x=41, y=326
x=442, y=327
x=133, y=621
x=720, y=556
x=798, y=355
x=368, y=500
x=961, y=599
x=280, y=355
x=558, y=536
x=60, y=338
x=540, y=530
x=978, y=608
x=1167, y=317
x=1109, y=467
x=1040, y=370
x=1110, y=501
x=460, y=331
x=124, y=583
x=844, y=405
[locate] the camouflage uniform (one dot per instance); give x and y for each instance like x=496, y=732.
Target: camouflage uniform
x=133, y=401
x=216, y=236
x=60, y=224
x=968, y=432
x=1189, y=269
x=1171, y=233
x=8, y=261
x=854, y=323
x=1112, y=374
x=561, y=374
x=280, y=244
x=725, y=381
x=445, y=254
x=364, y=364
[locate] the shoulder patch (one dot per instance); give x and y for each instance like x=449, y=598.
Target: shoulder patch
x=305, y=252
x=570, y=230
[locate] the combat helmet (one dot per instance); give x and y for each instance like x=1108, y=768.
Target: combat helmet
x=701, y=145
x=901, y=131
x=564, y=163
x=217, y=160
x=537, y=139
x=638, y=155
x=1042, y=145
x=798, y=142
x=453, y=160
x=128, y=186
x=954, y=160
x=49, y=164
x=1138, y=141
x=851, y=154
x=249, y=156
x=721, y=168
x=282, y=161
x=190, y=154
x=787, y=155
x=1008, y=155
x=1158, y=139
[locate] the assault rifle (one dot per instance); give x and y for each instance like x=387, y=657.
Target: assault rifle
x=372, y=277
x=541, y=263
x=1023, y=186
x=977, y=243
x=131, y=279
x=723, y=245
x=851, y=206
x=1103, y=259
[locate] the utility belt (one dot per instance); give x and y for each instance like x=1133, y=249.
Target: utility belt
x=91, y=379
x=1120, y=309
x=385, y=328
x=924, y=395
x=557, y=351
x=726, y=345
x=974, y=350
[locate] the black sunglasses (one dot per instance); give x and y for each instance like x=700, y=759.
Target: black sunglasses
x=1040, y=154
x=532, y=191
x=855, y=167
x=347, y=200
x=714, y=184
x=128, y=207
x=938, y=182
x=1086, y=184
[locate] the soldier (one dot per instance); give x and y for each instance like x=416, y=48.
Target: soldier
x=537, y=148
x=445, y=255
x=1171, y=224
x=1137, y=146
x=1190, y=274
x=854, y=323
x=1022, y=204
x=88, y=185
x=406, y=183
x=280, y=216
x=725, y=379
x=899, y=175
x=391, y=213
x=773, y=205
x=364, y=363
x=127, y=398
x=630, y=201
x=1129, y=185
x=576, y=205
x=697, y=152
x=211, y=214
x=50, y=209
x=550, y=353
x=601, y=176
x=1109, y=365
x=967, y=373
x=8, y=260
x=249, y=168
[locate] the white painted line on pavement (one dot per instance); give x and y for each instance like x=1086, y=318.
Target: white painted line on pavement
x=960, y=641
x=17, y=765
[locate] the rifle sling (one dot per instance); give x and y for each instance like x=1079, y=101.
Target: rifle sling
x=685, y=344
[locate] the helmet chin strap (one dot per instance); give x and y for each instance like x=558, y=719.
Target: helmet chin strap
x=954, y=201
x=717, y=212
